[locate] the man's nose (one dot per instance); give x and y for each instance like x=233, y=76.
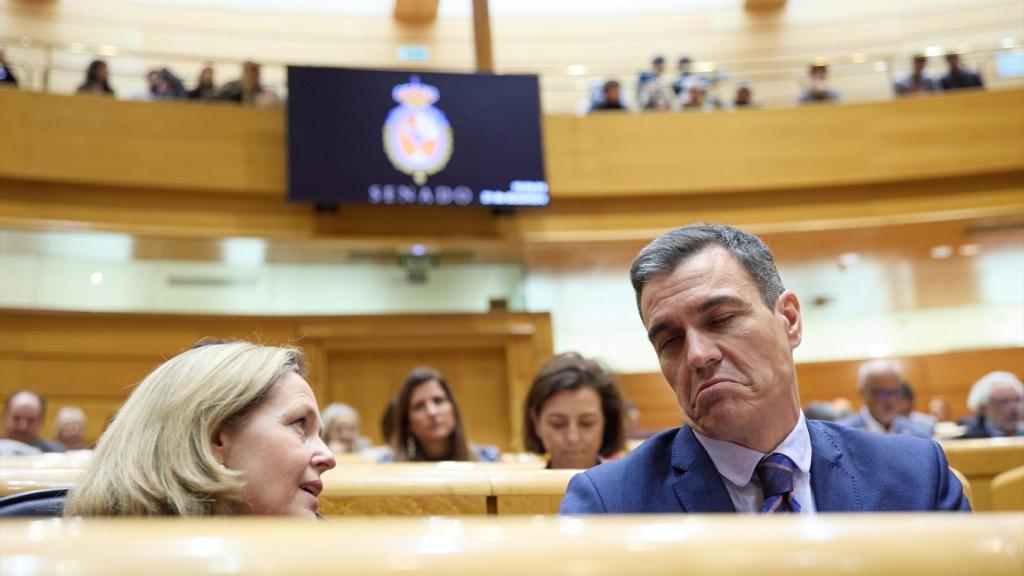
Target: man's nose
x=701, y=350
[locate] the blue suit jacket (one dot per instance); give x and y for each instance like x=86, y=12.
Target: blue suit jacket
x=851, y=470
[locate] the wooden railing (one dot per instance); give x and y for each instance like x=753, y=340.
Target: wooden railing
x=873, y=544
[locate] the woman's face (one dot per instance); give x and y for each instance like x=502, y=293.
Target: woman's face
x=431, y=415
x=279, y=452
x=571, y=426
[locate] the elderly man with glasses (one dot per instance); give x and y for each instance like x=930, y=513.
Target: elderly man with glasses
x=879, y=384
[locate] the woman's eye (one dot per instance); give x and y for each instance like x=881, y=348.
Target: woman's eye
x=300, y=424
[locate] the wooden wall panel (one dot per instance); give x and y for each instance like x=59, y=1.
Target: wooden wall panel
x=612, y=178
x=243, y=151
x=93, y=360
x=948, y=376
x=368, y=379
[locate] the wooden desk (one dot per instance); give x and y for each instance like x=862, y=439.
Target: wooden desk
x=404, y=490
x=909, y=545
x=981, y=460
x=15, y=481
x=528, y=491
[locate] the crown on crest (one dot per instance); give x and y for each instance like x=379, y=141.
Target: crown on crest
x=415, y=94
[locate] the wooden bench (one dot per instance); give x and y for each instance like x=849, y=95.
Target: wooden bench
x=868, y=544
x=981, y=460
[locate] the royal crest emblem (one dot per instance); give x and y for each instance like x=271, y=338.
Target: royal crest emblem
x=417, y=135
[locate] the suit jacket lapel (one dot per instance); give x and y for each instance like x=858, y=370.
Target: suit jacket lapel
x=698, y=484
x=832, y=481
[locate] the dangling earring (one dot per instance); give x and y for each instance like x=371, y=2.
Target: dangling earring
x=410, y=448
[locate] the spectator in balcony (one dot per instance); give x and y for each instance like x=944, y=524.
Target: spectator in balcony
x=97, y=80
x=163, y=85
x=959, y=77
x=686, y=76
x=611, y=97
x=248, y=90
x=819, y=89
x=695, y=97
x=7, y=77
x=205, y=89
x=744, y=98
x=918, y=81
x=652, y=94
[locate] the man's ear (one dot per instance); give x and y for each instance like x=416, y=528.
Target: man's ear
x=788, y=309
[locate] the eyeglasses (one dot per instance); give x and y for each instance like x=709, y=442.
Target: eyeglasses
x=885, y=393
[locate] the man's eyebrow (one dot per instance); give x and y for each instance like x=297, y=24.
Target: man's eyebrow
x=656, y=329
x=717, y=301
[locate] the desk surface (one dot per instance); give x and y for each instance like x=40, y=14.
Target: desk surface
x=914, y=544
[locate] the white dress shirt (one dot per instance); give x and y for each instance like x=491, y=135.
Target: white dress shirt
x=736, y=465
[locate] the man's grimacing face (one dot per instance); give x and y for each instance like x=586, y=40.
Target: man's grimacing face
x=727, y=356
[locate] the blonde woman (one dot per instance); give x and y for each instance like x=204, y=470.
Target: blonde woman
x=224, y=428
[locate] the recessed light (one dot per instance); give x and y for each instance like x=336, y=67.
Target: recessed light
x=942, y=251
x=848, y=259
x=96, y=278
x=969, y=249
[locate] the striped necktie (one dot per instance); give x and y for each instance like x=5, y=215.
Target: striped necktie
x=775, y=472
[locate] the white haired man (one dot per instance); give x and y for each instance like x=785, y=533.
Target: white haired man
x=879, y=384
x=995, y=400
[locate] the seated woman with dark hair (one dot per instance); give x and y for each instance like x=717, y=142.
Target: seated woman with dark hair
x=223, y=428
x=574, y=413
x=428, y=425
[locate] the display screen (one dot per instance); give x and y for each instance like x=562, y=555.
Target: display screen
x=438, y=139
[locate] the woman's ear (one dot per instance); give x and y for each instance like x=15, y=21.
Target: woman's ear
x=221, y=443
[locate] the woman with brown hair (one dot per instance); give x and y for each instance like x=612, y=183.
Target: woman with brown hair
x=428, y=425
x=573, y=413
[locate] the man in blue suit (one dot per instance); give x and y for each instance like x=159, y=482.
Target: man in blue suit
x=881, y=386
x=724, y=329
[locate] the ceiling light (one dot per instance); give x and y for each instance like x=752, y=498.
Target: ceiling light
x=969, y=249
x=848, y=259
x=942, y=251
x=96, y=278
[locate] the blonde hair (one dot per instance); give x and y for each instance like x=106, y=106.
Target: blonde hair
x=156, y=459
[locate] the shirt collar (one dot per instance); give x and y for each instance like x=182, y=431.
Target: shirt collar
x=737, y=463
x=874, y=425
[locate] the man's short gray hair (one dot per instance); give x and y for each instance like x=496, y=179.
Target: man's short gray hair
x=877, y=366
x=668, y=251
x=987, y=384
